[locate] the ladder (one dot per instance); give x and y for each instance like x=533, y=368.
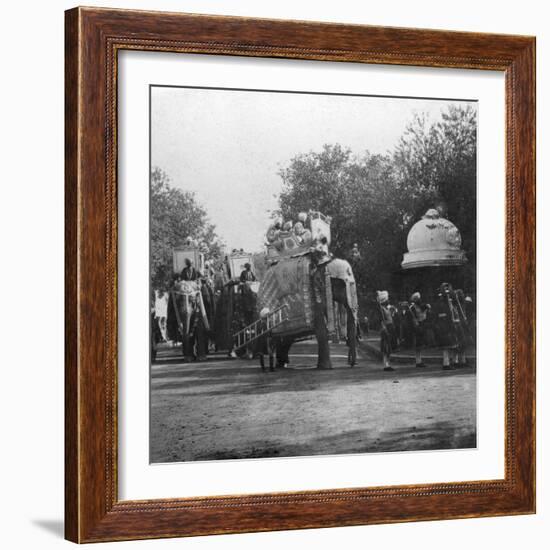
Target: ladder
x=260, y=327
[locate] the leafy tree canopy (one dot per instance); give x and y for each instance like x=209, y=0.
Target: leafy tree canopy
x=175, y=215
x=375, y=199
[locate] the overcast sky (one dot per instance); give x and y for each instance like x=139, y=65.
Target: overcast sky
x=227, y=146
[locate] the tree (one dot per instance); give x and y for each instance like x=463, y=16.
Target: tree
x=175, y=215
x=357, y=193
x=436, y=166
x=375, y=199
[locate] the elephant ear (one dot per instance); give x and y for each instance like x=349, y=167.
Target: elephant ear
x=341, y=269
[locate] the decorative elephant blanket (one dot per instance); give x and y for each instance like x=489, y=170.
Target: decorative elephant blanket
x=288, y=283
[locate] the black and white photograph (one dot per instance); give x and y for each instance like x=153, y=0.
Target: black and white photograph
x=275, y=275
x=312, y=274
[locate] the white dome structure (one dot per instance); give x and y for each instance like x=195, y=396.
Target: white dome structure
x=433, y=241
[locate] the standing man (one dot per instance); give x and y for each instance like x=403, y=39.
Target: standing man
x=418, y=312
x=446, y=321
x=464, y=337
x=355, y=255
x=388, y=337
x=208, y=271
x=470, y=311
x=189, y=273
x=262, y=344
x=161, y=311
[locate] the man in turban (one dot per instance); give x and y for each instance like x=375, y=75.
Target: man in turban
x=447, y=323
x=418, y=314
x=388, y=337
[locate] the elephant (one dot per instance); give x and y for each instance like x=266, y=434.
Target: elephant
x=322, y=270
x=187, y=309
x=236, y=308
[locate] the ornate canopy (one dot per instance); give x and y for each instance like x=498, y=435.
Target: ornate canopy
x=433, y=241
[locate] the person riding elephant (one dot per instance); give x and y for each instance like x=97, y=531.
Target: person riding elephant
x=302, y=234
x=247, y=275
x=189, y=272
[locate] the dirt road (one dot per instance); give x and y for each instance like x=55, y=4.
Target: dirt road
x=227, y=409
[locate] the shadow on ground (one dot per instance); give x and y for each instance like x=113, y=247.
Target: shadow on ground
x=439, y=435
x=55, y=527
x=255, y=382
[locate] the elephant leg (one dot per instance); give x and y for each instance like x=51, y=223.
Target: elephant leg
x=283, y=347
x=351, y=338
x=270, y=346
x=187, y=347
x=201, y=340
x=323, y=347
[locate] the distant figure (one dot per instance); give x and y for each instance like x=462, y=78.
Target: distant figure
x=226, y=268
x=208, y=270
x=363, y=327
x=161, y=311
x=470, y=311
x=155, y=335
x=303, y=235
x=246, y=274
x=189, y=273
x=388, y=337
x=220, y=278
x=418, y=312
x=261, y=346
x=274, y=229
x=273, y=235
x=446, y=321
x=464, y=335
x=355, y=255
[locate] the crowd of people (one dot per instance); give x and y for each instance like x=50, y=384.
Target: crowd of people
x=448, y=323
x=279, y=229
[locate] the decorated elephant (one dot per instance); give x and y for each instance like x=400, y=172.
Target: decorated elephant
x=187, y=310
x=309, y=286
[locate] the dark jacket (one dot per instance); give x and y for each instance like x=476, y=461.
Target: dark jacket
x=247, y=276
x=190, y=274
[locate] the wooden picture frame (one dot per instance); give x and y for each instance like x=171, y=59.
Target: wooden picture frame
x=93, y=511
